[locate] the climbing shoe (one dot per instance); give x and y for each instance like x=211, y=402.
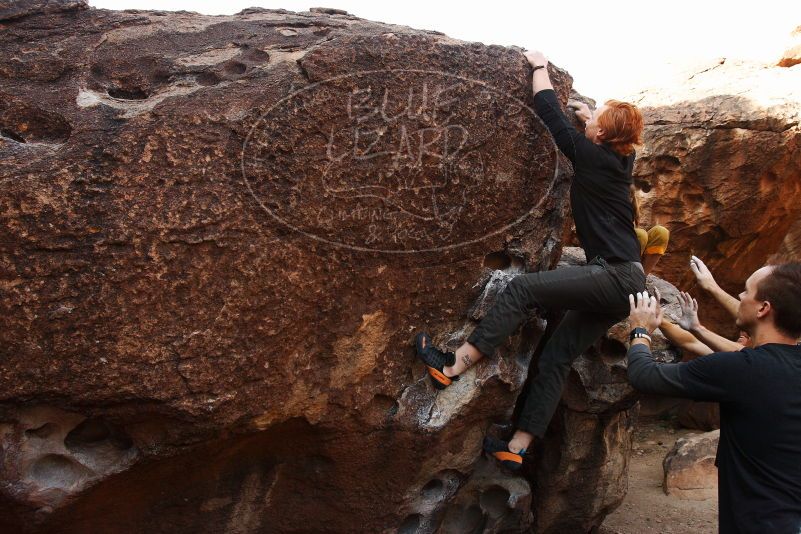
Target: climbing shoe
x=499, y=450
x=435, y=360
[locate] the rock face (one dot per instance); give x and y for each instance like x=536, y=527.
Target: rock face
x=582, y=466
x=219, y=235
x=690, y=471
x=721, y=168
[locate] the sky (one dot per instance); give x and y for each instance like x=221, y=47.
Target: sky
x=612, y=49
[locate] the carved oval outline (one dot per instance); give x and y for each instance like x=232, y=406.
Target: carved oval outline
x=451, y=246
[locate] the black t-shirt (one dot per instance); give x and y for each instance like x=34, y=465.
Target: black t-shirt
x=759, y=454
x=599, y=195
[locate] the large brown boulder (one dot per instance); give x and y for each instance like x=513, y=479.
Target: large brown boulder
x=689, y=467
x=720, y=168
x=219, y=235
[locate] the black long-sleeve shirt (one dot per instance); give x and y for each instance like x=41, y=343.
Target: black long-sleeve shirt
x=759, y=453
x=599, y=195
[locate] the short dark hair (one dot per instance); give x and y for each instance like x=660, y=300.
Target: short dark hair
x=782, y=288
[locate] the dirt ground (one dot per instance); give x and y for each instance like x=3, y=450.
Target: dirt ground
x=646, y=508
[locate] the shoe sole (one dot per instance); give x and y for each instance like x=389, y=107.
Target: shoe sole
x=439, y=379
x=507, y=459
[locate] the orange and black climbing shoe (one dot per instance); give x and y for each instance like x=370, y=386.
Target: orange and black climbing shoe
x=435, y=360
x=500, y=451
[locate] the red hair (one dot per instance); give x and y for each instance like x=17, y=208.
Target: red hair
x=622, y=126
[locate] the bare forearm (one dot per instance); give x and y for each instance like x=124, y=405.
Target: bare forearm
x=716, y=342
x=541, y=80
x=727, y=301
x=683, y=339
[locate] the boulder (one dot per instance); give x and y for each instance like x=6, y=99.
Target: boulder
x=699, y=415
x=690, y=471
x=580, y=472
x=219, y=236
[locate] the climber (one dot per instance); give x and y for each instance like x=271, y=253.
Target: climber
x=654, y=241
x=759, y=454
x=594, y=295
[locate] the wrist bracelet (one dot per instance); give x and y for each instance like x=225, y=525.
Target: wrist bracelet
x=539, y=67
x=641, y=336
x=639, y=332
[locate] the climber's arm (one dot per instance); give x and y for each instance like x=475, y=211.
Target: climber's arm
x=568, y=139
x=539, y=62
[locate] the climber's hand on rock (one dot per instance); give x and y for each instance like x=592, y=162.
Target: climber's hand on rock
x=702, y=274
x=689, y=312
x=583, y=112
x=645, y=311
x=535, y=58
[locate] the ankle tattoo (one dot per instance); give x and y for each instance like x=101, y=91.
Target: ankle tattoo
x=466, y=360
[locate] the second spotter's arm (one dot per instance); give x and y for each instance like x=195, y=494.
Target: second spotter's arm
x=683, y=339
x=689, y=321
x=715, y=341
x=708, y=283
x=724, y=299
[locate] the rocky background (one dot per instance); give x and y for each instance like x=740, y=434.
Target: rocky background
x=721, y=169
x=209, y=294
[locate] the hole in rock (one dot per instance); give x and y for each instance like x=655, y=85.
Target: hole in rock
x=433, y=489
x=134, y=93
x=612, y=350
x=495, y=501
x=255, y=55
x=95, y=433
x=56, y=471
x=133, y=78
x=11, y=135
x=100, y=445
x=207, y=78
x=410, y=524
x=497, y=261
x=43, y=431
x=645, y=187
x=667, y=163
x=235, y=67
x=459, y=520
x=451, y=479
x=25, y=123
